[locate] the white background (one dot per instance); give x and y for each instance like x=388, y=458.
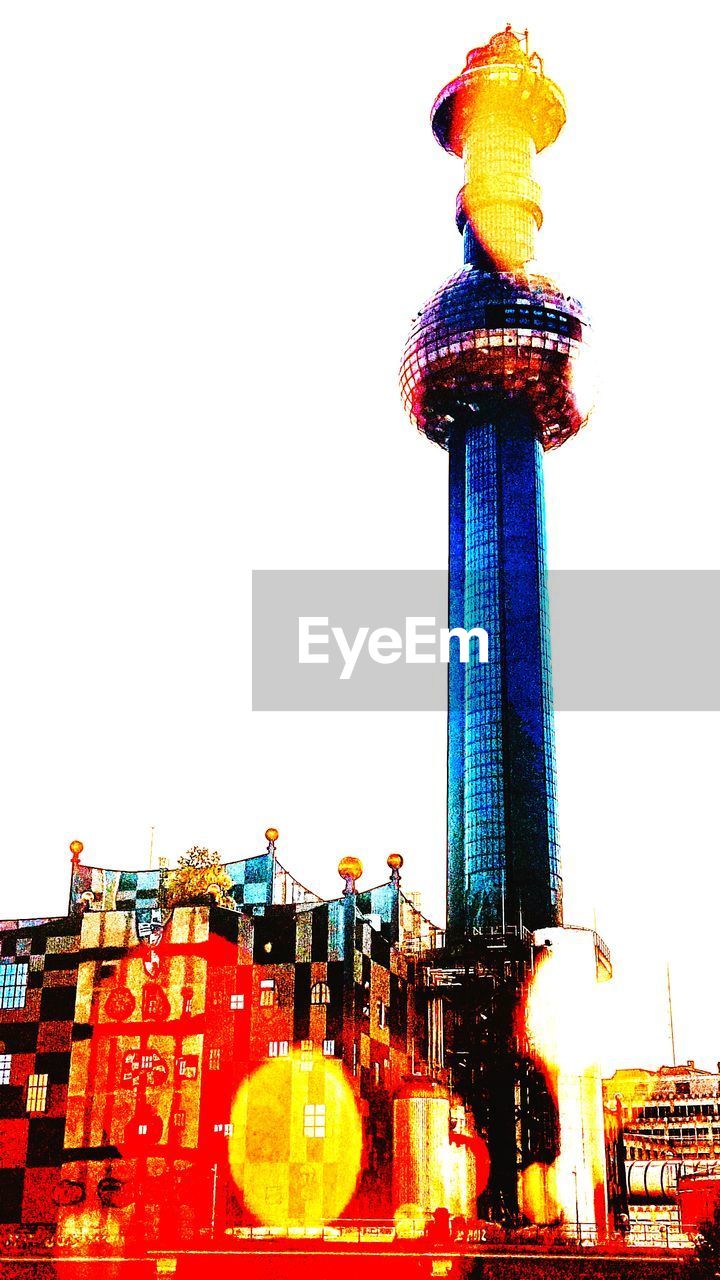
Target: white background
x=216, y=224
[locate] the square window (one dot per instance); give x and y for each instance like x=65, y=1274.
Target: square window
x=278, y=1049
x=314, y=1120
x=5, y=1060
x=37, y=1093
x=329, y=1048
x=237, y=1000
x=267, y=992
x=13, y=985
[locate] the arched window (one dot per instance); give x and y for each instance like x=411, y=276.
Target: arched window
x=320, y=993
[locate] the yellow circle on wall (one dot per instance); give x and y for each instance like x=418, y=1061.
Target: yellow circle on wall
x=296, y=1144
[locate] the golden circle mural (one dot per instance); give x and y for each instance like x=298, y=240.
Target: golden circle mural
x=296, y=1144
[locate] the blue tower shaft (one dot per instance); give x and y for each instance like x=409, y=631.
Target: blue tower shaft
x=503, y=863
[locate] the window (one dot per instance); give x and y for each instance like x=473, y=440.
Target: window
x=314, y=1120
x=214, y=1060
x=142, y=1130
x=267, y=992
x=37, y=1093
x=5, y=1060
x=306, y=1055
x=225, y=1129
x=154, y=1003
x=179, y=1119
x=382, y=1011
x=278, y=1049
x=13, y=985
x=320, y=993
x=237, y=1000
x=186, y=1066
x=329, y=1048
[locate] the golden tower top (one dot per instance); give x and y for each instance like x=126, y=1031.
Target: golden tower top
x=497, y=114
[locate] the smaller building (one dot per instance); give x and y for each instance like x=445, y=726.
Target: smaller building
x=670, y=1127
x=669, y=1114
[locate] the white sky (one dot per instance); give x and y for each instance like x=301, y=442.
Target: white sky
x=217, y=222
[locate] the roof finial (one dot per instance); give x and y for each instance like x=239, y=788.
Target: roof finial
x=350, y=869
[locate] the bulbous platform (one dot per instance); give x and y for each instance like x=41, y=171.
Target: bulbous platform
x=502, y=334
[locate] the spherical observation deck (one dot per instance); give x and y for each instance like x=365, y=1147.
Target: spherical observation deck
x=496, y=335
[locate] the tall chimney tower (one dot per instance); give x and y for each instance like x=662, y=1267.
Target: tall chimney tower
x=490, y=374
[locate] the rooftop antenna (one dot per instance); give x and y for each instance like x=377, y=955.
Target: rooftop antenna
x=670, y=1011
x=519, y=35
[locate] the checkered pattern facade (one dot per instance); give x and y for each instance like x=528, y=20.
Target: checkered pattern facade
x=124, y=1043
x=38, y=979
x=105, y=890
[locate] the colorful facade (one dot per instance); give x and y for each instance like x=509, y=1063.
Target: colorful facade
x=130, y=1032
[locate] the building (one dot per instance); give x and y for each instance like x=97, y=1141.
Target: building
x=132, y=1032
x=669, y=1114
x=670, y=1123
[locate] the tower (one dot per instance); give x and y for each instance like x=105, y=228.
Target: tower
x=490, y=372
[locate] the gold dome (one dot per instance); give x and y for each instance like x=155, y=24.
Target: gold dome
x=350, y=868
